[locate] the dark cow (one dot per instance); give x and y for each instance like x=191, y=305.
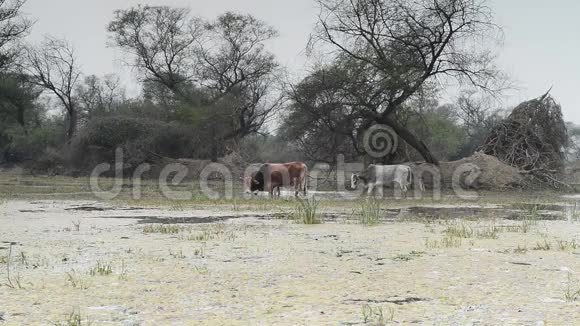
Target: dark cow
x=272, y=177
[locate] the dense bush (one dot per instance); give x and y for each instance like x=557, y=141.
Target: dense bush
x=141, y=140
x=18, y=145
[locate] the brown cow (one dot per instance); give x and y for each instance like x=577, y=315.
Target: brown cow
x=272, y=177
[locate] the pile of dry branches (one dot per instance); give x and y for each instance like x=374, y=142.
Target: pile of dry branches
x=532, y=139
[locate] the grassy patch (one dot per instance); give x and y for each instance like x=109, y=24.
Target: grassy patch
x=13, y=281
x=162, y=228
x=567, y=245
x=545, y=246
x=408, y=257
x=101, y=269
x=178, y=254
x=377, y=315
x=465, y=231
x=211, y=232
x=571, y=294
x=76, y=280
x=306, y=211
x=123, y=275
x=370, y=212
x=448, y=241
x=74, y=319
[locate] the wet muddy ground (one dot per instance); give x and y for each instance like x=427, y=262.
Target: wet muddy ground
x=119, y=264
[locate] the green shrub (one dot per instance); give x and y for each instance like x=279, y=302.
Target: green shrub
x=306, y=212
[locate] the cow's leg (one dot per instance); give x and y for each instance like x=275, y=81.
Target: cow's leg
x=271, y=191
x=371, y=188
x=297, y=186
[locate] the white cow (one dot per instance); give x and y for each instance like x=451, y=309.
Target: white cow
x=377, y=176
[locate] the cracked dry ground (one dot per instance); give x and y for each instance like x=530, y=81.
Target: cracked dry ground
x=255, y=270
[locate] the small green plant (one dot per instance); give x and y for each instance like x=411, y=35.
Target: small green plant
x=176, y=205
x=370, y=212
x=74, y=319
x=463, y=230
x=161, y=228
x=123, y=276
x=201, y=270
x=546, y=245
x=102, y=269
x=76, y=280
x=408, y=257
x=12, y=281
x=199, y=252
x=567, y=245
x=76, y=225
x=571, y=294
x=306, y=211
x=213, y=232
x=377, y=315
x=460, y=230
x=177, y=254
x=447, y=242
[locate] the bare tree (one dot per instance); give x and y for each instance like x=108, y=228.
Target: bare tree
x=225, y=60
x=13, y=26
x=234, y=63
x=54, y=67
x=477, y=113
x=410, y=43
x=99, y=95
x=161, y=41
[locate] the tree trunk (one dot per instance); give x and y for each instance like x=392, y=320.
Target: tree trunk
x=72, y=124
x=410, y=139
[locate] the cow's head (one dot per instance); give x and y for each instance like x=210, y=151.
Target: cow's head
x=354, y=180
x=251, y=184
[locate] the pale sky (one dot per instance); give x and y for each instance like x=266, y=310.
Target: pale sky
x=541, y=49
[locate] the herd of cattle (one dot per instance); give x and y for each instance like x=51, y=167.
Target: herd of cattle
x=271, y=177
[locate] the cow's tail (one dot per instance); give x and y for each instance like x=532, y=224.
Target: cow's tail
x=305, y=180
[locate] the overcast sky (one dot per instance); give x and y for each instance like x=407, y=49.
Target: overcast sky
x=542, y=38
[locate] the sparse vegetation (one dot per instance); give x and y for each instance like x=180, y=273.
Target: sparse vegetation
x=370, y=212
x=177, y=254
x=74, y=319
x=571, y=293
x=465, y=231
x=448, y=241
x=162, y=228
x=567, y=245
x=211, y=232
x=76, y=225
x=377, y=315
x=306, y=211
x=521, y=250
x=545, y=245
x=76, y=280
x=101, y=269
x=123, y=275
x=13, y=281
x=408, y=257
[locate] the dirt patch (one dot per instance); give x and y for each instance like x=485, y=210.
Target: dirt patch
x=259, y=269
